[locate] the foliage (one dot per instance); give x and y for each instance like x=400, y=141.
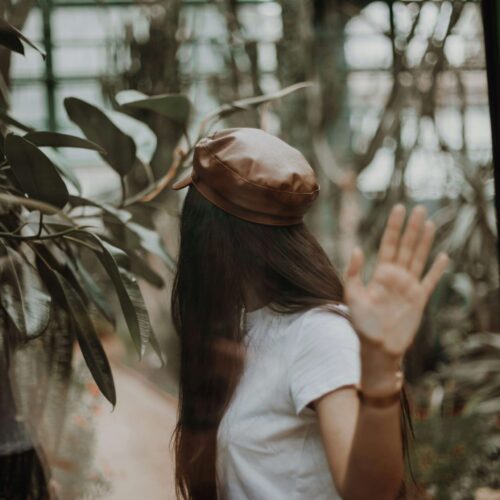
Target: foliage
x=54, y=243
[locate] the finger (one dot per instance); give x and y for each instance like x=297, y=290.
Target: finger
x=390, y=238
x=353, y=282
x=410, y=236
x=355, y=264
x=435, y=272
x=419, y=259
x=353, y=271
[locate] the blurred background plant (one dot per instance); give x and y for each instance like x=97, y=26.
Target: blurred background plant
x=398, y=111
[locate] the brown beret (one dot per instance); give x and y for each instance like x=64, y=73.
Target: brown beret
x=253, y=175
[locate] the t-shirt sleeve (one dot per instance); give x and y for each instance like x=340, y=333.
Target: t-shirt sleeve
x=324, y=357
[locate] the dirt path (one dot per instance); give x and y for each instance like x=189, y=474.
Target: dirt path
x=133, y=441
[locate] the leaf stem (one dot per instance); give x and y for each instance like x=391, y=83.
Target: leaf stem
x=81, y=242
x=37, y=237
x=40, y=225
x=124, y=191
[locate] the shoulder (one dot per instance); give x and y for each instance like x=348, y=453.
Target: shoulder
x=329, y=325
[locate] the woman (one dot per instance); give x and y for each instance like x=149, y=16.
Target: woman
x=290, y=380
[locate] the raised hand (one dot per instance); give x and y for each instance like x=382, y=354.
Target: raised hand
x=387, y=311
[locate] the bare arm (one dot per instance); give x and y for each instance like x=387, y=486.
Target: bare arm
x=362, y=443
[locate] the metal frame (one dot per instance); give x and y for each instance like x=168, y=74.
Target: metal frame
x=50, y=79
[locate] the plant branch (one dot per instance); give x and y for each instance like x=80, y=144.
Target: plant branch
x=37, y=237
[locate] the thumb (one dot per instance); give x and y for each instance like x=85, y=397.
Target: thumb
x=353, y=271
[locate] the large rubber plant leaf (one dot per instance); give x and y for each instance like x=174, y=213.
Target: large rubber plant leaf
x=23, y=295
x=135, y=296
x=90, y=345
x=35, y=173
x=176, y=107
x=132, y=304
x=145, y=139
x=116, y=264
x=97, y=127
x=57, y=140
x=93, y=291
x=63, y=167
x=12, y=38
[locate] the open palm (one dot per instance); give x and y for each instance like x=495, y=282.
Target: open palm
x=388, y=310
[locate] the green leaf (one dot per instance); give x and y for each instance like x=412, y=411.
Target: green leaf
x=146, y=141
x=253, y=102
x=12, y=38
x=64, y=169
x=23, y=294
x=93, y=291
x=156, y=348
x=116, y=264
x=177, y=107
x=56, y=140
x=34, y=172
x=97, y=127
x=92, y=350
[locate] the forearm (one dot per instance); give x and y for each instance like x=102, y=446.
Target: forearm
x=376, y=464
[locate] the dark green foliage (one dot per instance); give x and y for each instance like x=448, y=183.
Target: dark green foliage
x=45, y=248
x=177, y=107
x=97, y=127
x=13, y=39
x=23, y=294
x=35, y=173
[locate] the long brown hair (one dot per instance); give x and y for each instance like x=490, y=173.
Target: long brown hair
x=220, y=256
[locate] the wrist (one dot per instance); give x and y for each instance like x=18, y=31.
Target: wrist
x=381, y=372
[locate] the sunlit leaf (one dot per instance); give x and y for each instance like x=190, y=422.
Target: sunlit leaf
x=12, y=38
x=57, y=140
x=253, y=102
x=145, y=139
x=116, y=264
x=93, y=291
x=177, y=107
x=64, y=168
x=92, y=350
x=23, y=295
x=99, y=128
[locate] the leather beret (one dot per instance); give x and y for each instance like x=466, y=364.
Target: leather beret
x=253, y=175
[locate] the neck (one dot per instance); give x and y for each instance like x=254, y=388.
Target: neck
x=253, y=300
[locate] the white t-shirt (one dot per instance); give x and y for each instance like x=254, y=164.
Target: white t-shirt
x=269, y=445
